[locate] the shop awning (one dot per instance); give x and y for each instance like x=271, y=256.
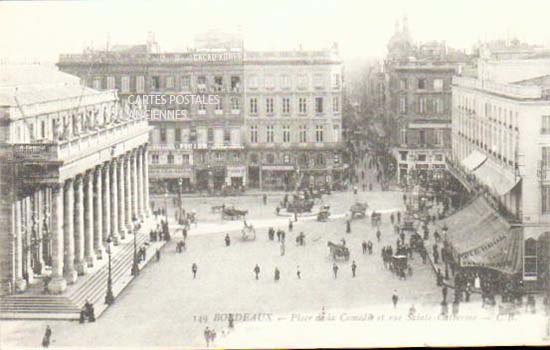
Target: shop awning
x=481, y=237
x=500, y=180
x=473, y=160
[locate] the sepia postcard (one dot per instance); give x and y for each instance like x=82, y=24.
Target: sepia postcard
x=280, y=174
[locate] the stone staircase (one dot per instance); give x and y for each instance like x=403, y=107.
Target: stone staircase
x=92, y=287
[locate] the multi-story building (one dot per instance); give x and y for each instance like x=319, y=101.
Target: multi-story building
x=501, y=143
x=73, y=174
x=293, y=118
x=418, y=103
x=278, y=111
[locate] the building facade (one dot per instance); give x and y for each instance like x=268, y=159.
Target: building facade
x=278, y=111
x=74, y=174
x=501, y=141
x=418, y=104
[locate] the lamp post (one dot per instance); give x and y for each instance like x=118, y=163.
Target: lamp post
x=135, y=266
x=109, y=297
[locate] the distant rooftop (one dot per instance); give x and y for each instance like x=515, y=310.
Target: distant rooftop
x=12, y=76
x=542, y=81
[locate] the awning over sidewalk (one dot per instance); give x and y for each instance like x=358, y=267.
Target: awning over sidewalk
x=473, y=160
x=500, y=180
x=480, y=237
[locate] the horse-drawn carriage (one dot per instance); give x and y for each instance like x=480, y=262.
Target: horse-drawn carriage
x=358, y=210
x=233, y=214
x=375, y=218
x=248, y=233
x=338, y=251
x=399, y=265
x=324, y=213
x=408, y=225
x=300, y=205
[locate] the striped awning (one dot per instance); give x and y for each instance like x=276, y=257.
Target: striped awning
x=481, y=237
x=473, y=160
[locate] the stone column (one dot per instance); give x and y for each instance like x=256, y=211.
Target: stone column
x=146, y=182
x=68, y=228
x=106, y=201
x=20, y=282
x=114, y=202
x=134, y=186
x=139, y=168
x=27, y=213
x=89, y=253
x=57, y=283
x=121, y=199
x=98, y=213
x=39, y=219
x=79, y=240
x=128, y=193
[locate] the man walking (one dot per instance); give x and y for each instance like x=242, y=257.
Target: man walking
x=335, y=270
x=394, y=298
x=257, y=271
x=277, y=274
x=364, y=246
x=353, y=268
x=298, y=273
x=194, y=270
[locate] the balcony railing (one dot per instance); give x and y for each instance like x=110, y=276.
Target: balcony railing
x=81, y=145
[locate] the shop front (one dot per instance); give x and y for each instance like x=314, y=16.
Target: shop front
x=211, y=178
x=278, y=177
x=236, y=176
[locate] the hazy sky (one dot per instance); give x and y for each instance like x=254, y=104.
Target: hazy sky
x=41, y=31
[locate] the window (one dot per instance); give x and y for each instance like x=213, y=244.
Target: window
x=403, y=155
x=336, y=129
x=170, y=158
x=202, y=108
x=438, y=84
x=125, y=84
x=219, y=105
x=269, y=134
x=155, y=158
x=286, y=158
x=235, y=104
x=170, y=82
x=253, y=134
x=269, y=82
x=177, y=135
x=336, y=81
x=421, y=105
x=226, y=136
x=218, y=84
x=403, y=84
x=336, y=104
x=140, y=84
x=253, y=82
x=285, y=81
x=318, y=81
x=110, y=83
x=185, y=83
x=319, y=133
x=286, y=133
x=545, y=124
x=97, y=83
x=421, y=158
x=270, y=158
x=235, y=83
x=201, y=83
x=438, y=157
x=403, y=104
x=439, y=137
x=421, y=84
x=302, y=105
x=253, y=105
x=303, y=133
x=422, y=137
x=438, y=106
x=210, y=135
x=185, y=159
x=320, y=160
x=318, y=105
x=403, y=136
x=530, y=258
x=254, y=158
x=286, y=105
x=269, y=105
x=155, y=83
x=302, y=81
x=162, y=135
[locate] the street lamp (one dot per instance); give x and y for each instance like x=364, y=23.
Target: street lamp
x=135, y=266
x=109, y=297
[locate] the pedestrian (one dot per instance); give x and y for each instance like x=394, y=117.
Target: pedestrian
x=343, y=242
x=364, y=246
x=394, y=298
x=289, y=225
x=277, y=210
x=399, y=217
x=157, y=254
x=298, y=273
x=265, y=199
x=257, y=271
x=47, y=337
x=194, y=270
x=353, y=268
x=444, y=291
x=277, y=274
x=335, y=270
x=392, y=218
x=282, y=248
x=295, y=216
x=207, y=336
x=278, y=235
x=378, y=234
x=348, y=226
x=231, y=321
x=227, y=240
x=369, y=246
